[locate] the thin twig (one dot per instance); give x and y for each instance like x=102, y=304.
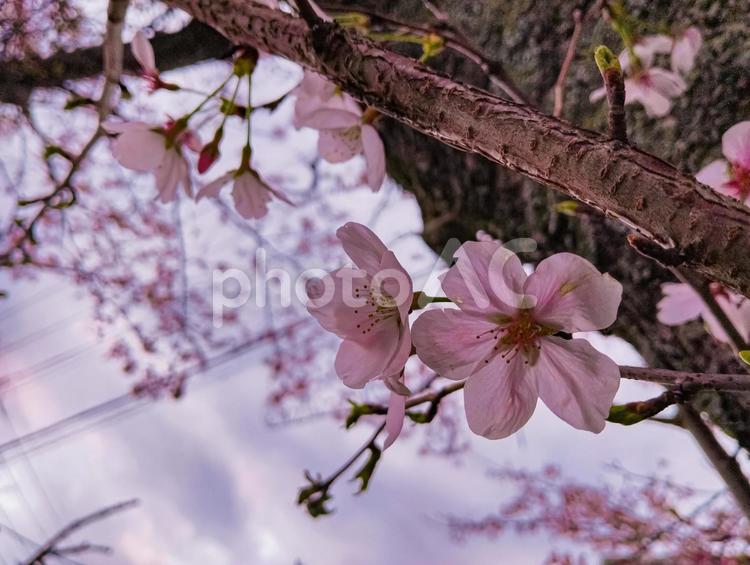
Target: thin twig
x=454, y=40
x=559, y=89
x=698, y=284
x=726, y=465
x=50, y=547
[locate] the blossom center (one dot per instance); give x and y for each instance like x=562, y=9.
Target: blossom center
x=518, y=334
x=378, y=308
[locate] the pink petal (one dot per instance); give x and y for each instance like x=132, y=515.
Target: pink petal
x=122, y=127
x=655, y=104
x=685, y=49
x=679, y=305
x=374, y=152
x=358, y=362
x=139, y=149
x=500, y=398
x=328, y=118
x=715, y=174
x=486, y=279
x=402, y=353
x=144, y=53
x=337, y=146
x=212, y=189
x=335, y=308
x=192, y=140
x=571, y=294
x=394, y=418
x=251, y=196
x=453, y=343
x=576, y=382
x=652, y=44
x=735, y=144
x=597, y=94
x=667, y=83
x=395, y=282
x=169, y=175
x=362, y=245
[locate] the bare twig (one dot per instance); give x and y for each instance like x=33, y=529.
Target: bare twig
x=726, y=465
x=453, y=40
x=51, y=546
x=614, y=84
x=112, y=49
x=559, y=89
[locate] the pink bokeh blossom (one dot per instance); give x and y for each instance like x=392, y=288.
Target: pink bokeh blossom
x=731, y=176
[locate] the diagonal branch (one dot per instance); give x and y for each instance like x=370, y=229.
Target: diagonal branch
x=705, y=230
x=726, y=465
x=50, y=547
x=20, y=77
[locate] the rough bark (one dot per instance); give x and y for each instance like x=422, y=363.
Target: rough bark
x=699, y=227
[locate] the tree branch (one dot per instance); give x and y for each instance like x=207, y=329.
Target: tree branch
x=50, y=547
x=725, y=465
x=20, y=77
x=670, y=208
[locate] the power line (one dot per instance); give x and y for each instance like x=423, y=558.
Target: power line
x=119, y=405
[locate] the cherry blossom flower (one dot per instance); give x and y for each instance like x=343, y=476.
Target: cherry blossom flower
x=731, y=176
x=344, y=130
x=250, y=194
x=502, y=338
x=685, y=49
x=652, y=87
x=368, y=307
x=144, y=54
x=312, y=93
x=682, y=304
x=145, y=148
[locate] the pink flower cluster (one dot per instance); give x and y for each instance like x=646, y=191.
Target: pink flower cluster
x=345, y=131
x=506, y=338
x=654, y=87
x=143, y=147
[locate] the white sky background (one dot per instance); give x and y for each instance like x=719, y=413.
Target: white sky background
x=218, y=486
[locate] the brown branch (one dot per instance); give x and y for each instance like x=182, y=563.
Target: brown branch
x=20, y=77
x=663, y=204
x=727, y=466
x=687, y=381
x=112, y=49
x=50, y=547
